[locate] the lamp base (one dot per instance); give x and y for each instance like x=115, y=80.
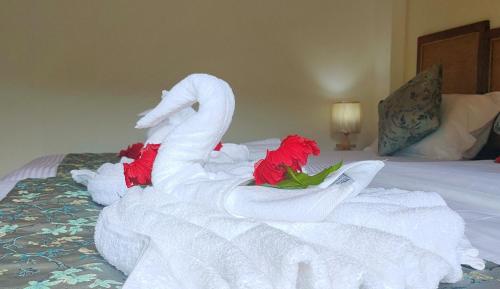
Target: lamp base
x=346, y=144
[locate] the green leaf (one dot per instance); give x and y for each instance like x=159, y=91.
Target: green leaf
x=298, y=180
x=321, y=176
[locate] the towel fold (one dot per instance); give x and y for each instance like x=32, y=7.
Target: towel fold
x=257, y=149
x=230, y=153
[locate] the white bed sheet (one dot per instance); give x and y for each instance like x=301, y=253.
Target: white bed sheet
x=472, y=188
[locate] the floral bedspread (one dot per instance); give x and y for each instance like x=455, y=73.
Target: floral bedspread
x=91, y=161
x=47, y=229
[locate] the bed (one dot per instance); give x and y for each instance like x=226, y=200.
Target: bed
x=46, y=220
x=47, y=223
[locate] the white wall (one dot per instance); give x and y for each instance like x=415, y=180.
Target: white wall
x=73, y=74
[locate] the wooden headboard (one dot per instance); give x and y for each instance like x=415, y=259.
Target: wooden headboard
x=494, y=60
x=464, y=54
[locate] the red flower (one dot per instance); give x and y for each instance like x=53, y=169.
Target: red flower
x=218, y=147
x=293, y=152
x=132, y=151
x=296, y=149
x=267, y=172
x=497, y=160
x=139, y=171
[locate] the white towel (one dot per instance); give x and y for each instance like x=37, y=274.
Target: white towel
x=422, y=217
x=187, y=141
x=257, y=149
x=306, y=205
x=194, y=140
x=143, y=233
x=230, y=153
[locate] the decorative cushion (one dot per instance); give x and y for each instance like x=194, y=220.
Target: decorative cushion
x=411, y=112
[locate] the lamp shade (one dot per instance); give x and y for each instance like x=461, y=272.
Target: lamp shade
x=346, y=117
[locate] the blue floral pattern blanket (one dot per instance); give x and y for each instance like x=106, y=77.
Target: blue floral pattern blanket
x=47, y=236
x=47, y=233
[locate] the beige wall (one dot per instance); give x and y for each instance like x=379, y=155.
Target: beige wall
x=73, y=74
x=428, y=16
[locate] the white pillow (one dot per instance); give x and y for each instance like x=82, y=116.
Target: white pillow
x=464, y=119
x=373, y=147
x=40, y=168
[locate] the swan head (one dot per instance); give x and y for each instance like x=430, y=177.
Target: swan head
x=192, y=89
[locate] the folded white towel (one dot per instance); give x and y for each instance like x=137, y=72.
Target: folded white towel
x=423, y=218
x=200, y=247
x=106, y=185
x=307, y=205
x=233, y=160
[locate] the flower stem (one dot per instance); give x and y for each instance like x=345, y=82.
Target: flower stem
x=293, y=176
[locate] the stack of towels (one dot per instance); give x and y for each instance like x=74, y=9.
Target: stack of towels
x=200, y=225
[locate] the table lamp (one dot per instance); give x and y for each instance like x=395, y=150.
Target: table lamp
x=346, y=119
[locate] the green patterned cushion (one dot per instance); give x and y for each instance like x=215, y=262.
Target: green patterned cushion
x=411, y=112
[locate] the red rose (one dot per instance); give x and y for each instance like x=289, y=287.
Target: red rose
x=218, y=147
x=293, y=152
x=139, y=171
x=296, y=149
x=266, y=172
x=497, y=160
x=132, y=151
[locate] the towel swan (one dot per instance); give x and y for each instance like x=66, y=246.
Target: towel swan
x=175, y=234
x=187, y=148
x=184, y=155
x=107, y=184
